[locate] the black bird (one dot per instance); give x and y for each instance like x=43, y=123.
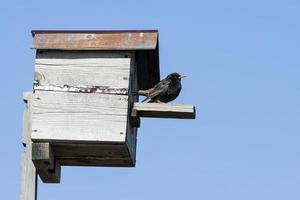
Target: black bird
x=165, y=91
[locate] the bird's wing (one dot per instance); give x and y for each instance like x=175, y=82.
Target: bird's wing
x=159, y=88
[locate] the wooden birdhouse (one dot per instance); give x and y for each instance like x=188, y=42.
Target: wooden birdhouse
x=84, y=109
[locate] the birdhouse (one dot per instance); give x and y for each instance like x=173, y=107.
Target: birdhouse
x=84, y=107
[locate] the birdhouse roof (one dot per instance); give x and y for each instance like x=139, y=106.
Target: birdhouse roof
x=143, y=42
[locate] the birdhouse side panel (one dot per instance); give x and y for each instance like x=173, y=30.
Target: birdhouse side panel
x=131, y=137
x=81, y=117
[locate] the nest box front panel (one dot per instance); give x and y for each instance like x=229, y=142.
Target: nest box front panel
x=82, y=68
x=81, y=96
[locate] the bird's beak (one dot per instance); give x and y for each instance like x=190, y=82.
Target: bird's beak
x=181, y=77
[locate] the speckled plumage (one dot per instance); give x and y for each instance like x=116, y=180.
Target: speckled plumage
x=165, y=91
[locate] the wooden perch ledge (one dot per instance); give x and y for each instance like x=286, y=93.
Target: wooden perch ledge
x=164, y=110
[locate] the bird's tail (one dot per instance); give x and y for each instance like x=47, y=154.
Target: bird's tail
x=143, y=93
x=140, y=92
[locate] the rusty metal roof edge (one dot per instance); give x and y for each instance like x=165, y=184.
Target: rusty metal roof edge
x=99, y=49
x=33, y=32
x=83, y=46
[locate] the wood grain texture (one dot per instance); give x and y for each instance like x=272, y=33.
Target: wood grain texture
x=28, y=180
x=162, y=110
x=88, y=117
x=112, y=155
x=99, y=40
x=101, y=154
x=82, y=68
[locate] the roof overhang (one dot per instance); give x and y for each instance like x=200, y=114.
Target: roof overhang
x=143, y=42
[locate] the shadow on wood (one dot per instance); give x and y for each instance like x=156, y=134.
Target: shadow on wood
x=46, y=165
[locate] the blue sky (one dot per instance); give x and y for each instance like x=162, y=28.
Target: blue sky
x=243, y=68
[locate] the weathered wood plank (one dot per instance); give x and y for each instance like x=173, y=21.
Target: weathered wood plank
x=28, y=185
x=162, y=110
x=82, y=89
x=82, y=68
x=89, y=117
x=81, y=154
x=97, y=40
x=92, y=150
x=28, y=182
x=103, y=154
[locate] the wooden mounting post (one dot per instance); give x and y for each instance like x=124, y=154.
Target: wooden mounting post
x=28, y=187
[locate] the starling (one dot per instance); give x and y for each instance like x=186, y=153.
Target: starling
x=165, y=91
